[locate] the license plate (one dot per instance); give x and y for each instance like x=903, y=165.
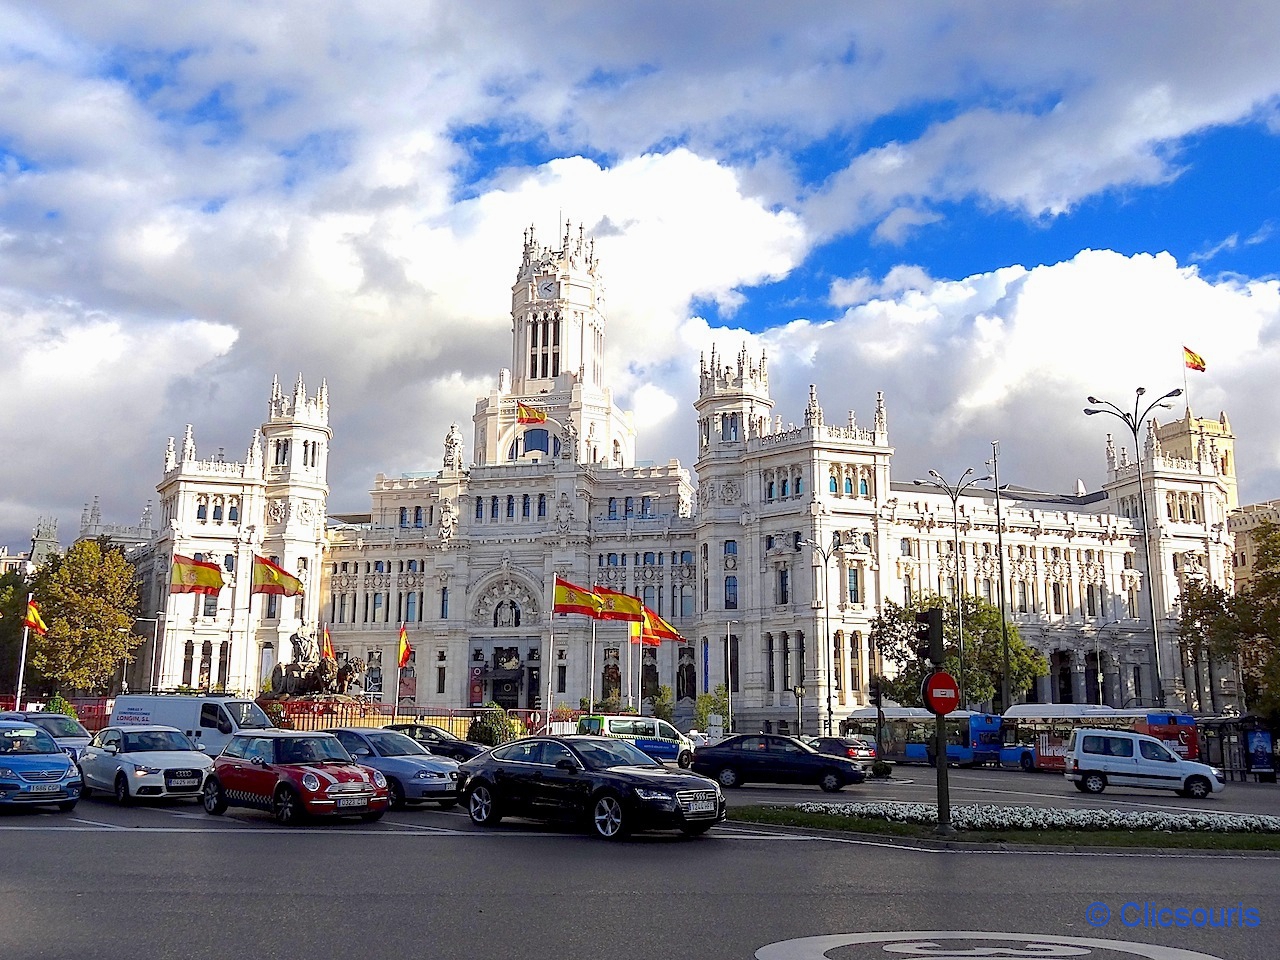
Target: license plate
x=352, y=802
x=44, y=788
x=185, y=782
x=702, y=806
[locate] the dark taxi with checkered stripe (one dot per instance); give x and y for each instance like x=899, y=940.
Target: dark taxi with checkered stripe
x=293, y=774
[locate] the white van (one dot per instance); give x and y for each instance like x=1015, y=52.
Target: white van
x=655, y=737
x=1097, y=758
x=210, y=721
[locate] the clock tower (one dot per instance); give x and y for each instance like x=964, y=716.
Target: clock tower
x=557, y=365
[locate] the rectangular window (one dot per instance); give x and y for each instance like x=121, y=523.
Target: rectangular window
x=731, y=548
x=444, y=603
x=562, y=678
x=417, y=517
x=211, y=605
x=854, y=593
x=646, y=507
x=771, y=677
x=731, y=593
x=630, y=506
x=784, y=586
x=440, y=680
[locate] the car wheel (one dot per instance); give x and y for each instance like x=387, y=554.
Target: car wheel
x=1197, y=788
x=728, y=777
x=448, y=804
x=696, y=829
x=1078, y=784
x=286, y=806
x=373, y=816
x=685, y=759
x=66, y=806
x=831, y=782
x=395, y=793
x=481, y=806
x=212, y=798
x=1027, y=763
x=1093, y=783
x=122, y=791
x=609, y=818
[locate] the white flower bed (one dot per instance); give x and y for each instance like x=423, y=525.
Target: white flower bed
x=988, y=817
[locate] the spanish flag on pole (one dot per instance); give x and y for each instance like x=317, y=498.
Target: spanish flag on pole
x=33, y=620
x=570, y=598
x=194, y=576
x=406, y=651
x=529, y=414
x=326, y=644
x=655, y=626
x=268, y=577
x=1192, y=359
x=619, y=606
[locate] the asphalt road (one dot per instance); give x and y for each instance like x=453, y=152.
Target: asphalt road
x=167, y=881
x=1013, y=787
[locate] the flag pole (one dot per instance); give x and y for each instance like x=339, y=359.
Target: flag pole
x=591, y=681
x=551, y=656
x=628, y=649
x=22, y=657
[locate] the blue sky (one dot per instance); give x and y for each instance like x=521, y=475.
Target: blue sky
x=986, y=211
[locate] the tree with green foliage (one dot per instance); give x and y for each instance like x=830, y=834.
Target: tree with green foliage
x=894, y=635
x=664, y=704
x=89, y=599
x=706, y=704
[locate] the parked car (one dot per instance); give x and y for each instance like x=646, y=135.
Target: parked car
x=293, y=774
x=413, y=774
x=208, y=720
x=439, y=740
x=135, y=762
x=855, y=748
x=611, y=784
x=66, y=731
x=769, y=758
x=34, y=770
x=1096, y=759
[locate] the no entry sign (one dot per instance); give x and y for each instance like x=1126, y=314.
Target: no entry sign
x=940, y=693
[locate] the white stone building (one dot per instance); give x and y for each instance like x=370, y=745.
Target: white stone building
x=465, y=557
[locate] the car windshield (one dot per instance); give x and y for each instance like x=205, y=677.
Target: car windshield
x=391, y=744
x=312, y=750
x=599, y=755
x=26, y=740
x=248, y=715
x=57, y=726
x=442, y=733
x=150, y=741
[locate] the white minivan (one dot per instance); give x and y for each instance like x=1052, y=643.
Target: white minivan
x=210, y=721
x=1098, y=758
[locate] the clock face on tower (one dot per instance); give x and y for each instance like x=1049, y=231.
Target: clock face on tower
x=548, y=288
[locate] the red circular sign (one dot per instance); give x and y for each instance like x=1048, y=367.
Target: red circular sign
x=940, y=692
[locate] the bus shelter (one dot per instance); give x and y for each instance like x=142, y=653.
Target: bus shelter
x=1244, y=747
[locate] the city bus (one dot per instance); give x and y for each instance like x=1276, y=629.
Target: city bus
x=907, y=735
x=1035, y=735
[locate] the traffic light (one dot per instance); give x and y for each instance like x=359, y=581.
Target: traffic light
x=929, y=636
x=874, y=691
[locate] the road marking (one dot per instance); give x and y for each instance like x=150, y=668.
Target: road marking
x=977, y=944
x=95, y=823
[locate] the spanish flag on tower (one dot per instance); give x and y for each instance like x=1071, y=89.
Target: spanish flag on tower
x=1192, y=359
x=570, y=598
x=268, y=577
x=530, y=414
x=406, y=651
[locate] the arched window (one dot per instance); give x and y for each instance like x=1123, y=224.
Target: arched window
x=799, y=485
x=217, y=511
x=417, y=517
x=613, y=508
x=537, y=439
x=542, y=506
x=786, y=488
x=833, y=485
x=404, y=516
x=233, y=513
x=479, y=508
x=511, y=507
x=524, y=507
x=493, y=508
x=863, y=490
x=768, y=490
x=848, y=486
x=229, y=562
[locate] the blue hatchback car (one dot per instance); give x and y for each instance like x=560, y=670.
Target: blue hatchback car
x=413, y=774
x=34, y=770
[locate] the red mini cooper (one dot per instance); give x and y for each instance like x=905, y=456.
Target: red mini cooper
x=293, y=774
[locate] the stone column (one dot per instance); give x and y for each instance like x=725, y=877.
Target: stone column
x=1079, y=677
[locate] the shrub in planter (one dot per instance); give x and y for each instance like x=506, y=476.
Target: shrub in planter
x=494, y=727
x=881, y=768
x=57, y=704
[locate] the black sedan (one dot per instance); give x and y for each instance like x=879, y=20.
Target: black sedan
x=439, y=740
x=607, y=783
x=763, y=758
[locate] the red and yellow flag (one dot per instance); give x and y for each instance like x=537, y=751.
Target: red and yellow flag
x=326, y=645
x=640, y=635
x=406, y=651
x=268, y=577
x=570, y=598
x=1192, y=359
x=529, y=414
x=33, y=620
x=655, y=626
x=194, y=576
x=619, y=606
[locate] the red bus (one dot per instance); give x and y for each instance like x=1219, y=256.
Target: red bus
x=1035, y=735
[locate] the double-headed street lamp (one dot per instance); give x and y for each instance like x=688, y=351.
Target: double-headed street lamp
x=1134, y=422
x=155, y=644
x=826, y=553
x=953, y=491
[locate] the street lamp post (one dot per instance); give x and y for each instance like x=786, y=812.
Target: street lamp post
x=1134, y=421
x=155, y=644
x=799, y=692
x=826, y=553
x=953, y=491
x=728, y=677
x=1004, y=624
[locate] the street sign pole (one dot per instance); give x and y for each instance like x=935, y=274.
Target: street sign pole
x=941, y=695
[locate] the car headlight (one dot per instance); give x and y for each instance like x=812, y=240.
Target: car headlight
x=1219, y=774
x=655, y=796
x=379, y=780
x=7, y=772
x=430, y=775
x=311, y=782
x=142, y=770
